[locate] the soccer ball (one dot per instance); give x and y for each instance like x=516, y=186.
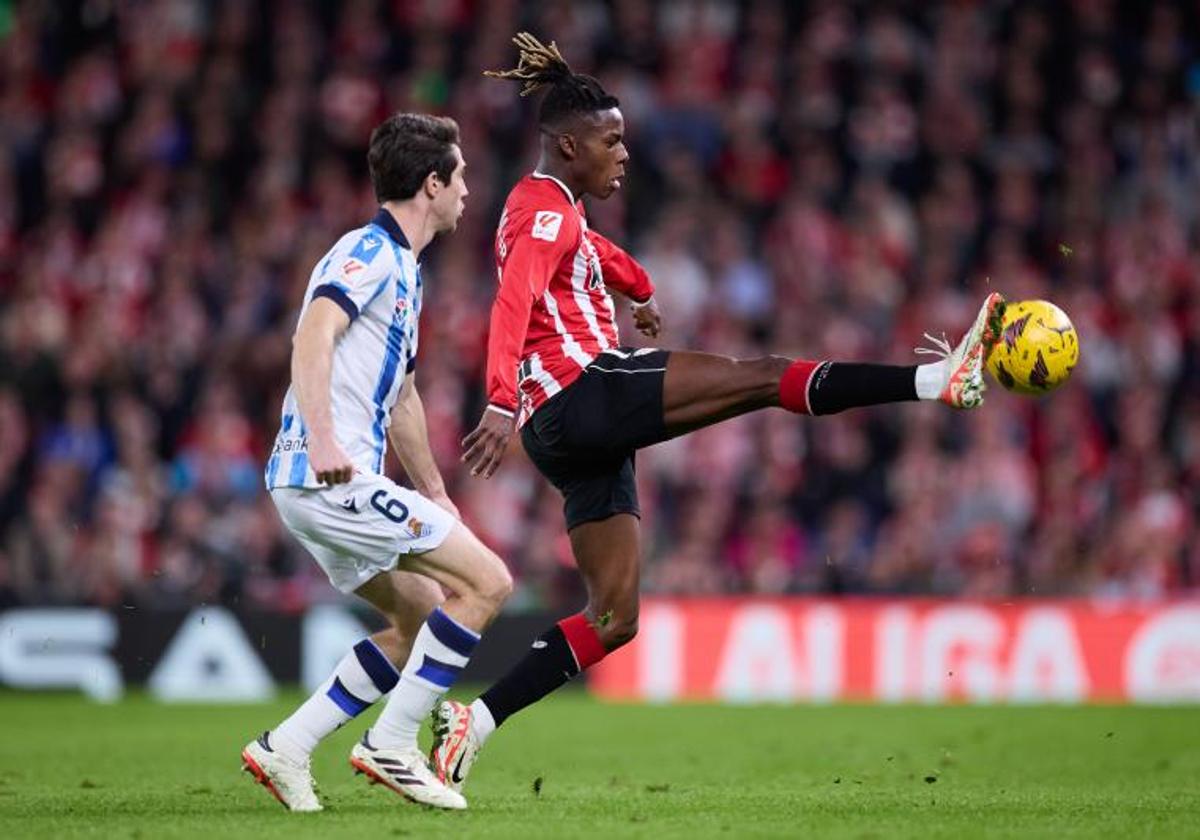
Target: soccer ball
x=1037, y=350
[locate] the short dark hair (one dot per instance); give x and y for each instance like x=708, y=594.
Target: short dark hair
x=405, y=148
x=544, y=66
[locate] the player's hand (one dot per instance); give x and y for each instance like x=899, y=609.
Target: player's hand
x=647, y=318
x=443, y=501
x=485, y=447
x=329, y=463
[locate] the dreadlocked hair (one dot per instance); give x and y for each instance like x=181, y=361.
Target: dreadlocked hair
x=544, y=66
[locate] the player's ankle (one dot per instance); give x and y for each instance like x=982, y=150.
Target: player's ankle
x=386, y=735
x=483, y=724
x=288, y=747
x=930, y=379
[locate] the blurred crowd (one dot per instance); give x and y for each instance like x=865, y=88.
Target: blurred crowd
x=818, y=179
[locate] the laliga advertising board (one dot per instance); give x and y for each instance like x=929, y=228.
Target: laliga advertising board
x=731, y=650
x=208, y=654
x=783, y=650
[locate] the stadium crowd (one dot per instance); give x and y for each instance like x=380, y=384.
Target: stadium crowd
x=817, y=179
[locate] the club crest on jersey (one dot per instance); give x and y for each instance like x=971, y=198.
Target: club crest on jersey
x=595, y=273
x=419, y=529
x=546, y=224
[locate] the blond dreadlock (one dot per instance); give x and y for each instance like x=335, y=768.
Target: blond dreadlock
x=539, y=65
x=544, y=66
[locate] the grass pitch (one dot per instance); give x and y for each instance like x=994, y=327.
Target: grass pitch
x=576, y=768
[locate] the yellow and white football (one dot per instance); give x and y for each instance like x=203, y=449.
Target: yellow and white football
x=1037, y=350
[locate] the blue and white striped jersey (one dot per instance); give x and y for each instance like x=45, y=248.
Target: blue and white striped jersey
x=371, y=273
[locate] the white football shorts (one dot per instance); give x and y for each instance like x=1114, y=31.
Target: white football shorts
x=359, y=529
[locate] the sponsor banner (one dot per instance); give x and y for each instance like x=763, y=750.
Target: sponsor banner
x=208, y=654
x=930, y=651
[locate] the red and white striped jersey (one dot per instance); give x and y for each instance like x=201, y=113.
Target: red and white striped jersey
x=553, y=314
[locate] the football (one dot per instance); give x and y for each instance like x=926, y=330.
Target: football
x=1037, y=350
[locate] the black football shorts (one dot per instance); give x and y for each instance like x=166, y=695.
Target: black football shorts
x=583, y=438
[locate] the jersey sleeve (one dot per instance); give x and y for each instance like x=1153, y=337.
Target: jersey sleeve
x=622, y=273
x=527, y=265
x=353, y=277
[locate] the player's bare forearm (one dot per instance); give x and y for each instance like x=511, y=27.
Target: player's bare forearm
x=312, y=368
x=409, y=433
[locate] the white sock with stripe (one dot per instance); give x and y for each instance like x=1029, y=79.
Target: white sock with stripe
x=441, y=650
x=362, y=677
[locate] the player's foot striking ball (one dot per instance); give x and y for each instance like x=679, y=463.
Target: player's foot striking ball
x=962, y=366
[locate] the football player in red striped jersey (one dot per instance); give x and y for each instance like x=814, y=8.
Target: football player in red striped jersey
x=584, y=403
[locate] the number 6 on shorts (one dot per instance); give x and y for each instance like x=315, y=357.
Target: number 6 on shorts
x=393, y=509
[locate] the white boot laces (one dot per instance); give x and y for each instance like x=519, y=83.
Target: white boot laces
x=941, y=348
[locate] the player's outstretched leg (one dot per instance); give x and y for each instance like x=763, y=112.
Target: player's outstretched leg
x=608, y=554
x=279, y=759
x=701, y=389
x=388, y=754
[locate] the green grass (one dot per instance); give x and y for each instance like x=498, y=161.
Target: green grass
x=69, y=768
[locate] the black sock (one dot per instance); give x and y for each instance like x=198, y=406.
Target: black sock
x=837, y=386
x=547, y=665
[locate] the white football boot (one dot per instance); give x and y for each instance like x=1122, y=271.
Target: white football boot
x=288, y=780
x=963, y=384
x=454, y=743
x=406, y=772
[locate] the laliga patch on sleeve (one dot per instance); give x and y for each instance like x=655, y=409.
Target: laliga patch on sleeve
x=546, y=224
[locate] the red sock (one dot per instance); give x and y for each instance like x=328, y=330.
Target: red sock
x=793, y=387
x=583, y=640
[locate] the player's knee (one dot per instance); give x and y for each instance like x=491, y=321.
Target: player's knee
x=494, y=583
x=501, y=587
